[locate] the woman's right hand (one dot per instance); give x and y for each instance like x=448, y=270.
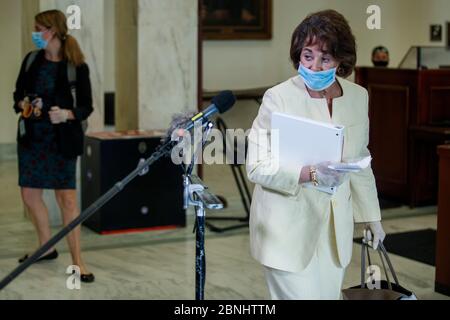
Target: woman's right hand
x=328, y=177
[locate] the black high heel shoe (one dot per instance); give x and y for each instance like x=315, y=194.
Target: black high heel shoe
x=51, y=256
x=87, y=278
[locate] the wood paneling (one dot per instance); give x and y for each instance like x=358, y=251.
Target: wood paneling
x=434, y=101
x=390, y=145
x=423, y=161
x=439, y=104
x=443, y=229
x=409, y=114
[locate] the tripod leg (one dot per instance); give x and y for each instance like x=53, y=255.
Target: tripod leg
x=246, y=201
x=246, y=197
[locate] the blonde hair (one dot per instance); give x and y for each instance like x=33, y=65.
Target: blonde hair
x=57, y=22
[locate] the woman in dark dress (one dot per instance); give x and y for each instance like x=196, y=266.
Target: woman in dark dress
x=50, y=135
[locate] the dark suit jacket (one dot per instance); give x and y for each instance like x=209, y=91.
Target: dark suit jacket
x=70, y=136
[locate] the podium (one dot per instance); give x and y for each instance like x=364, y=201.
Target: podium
x=409, y=111
x=152, y=201
x=442, y=283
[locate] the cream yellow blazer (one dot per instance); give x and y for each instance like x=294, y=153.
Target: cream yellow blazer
x=286, y=219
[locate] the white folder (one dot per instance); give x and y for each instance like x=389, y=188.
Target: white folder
x=307, y=142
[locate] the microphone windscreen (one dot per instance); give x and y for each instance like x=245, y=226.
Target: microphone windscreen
x=179, y=120
x=224, y=101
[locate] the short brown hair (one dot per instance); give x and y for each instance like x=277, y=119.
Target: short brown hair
x=331, y=30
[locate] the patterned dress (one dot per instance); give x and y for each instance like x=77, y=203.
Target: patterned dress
x=40, y=164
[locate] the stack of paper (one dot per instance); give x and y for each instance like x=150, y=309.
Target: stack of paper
x=355, y=165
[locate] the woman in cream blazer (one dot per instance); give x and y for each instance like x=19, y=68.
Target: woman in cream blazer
x=301, y=236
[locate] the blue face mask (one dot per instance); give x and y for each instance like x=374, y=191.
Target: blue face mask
x=317, y=80
x=39, y=40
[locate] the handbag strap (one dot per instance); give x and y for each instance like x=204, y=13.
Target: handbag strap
x=363, y=265
x=385, y=271
x=382, y=248
x=383, y=254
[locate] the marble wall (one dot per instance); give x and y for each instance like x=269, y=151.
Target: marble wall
x=156, y=49
x=167, y=52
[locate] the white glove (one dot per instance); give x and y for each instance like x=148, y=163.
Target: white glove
x=329, y=177
x=58, y=115
x=374, y=232
x=38, y=103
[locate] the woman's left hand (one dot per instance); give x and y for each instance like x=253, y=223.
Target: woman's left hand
x=374, y=232
x=329, y=177
x=58, y=115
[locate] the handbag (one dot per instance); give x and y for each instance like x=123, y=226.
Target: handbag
x=387, y=290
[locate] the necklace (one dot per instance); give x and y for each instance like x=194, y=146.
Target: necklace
x=332, y=92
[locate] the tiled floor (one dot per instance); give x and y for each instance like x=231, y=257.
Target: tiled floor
x=160, y=265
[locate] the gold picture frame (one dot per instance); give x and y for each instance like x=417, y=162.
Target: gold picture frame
x=236, y=19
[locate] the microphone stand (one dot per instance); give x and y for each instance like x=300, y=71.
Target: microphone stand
x=196, y=194
x=141, y=170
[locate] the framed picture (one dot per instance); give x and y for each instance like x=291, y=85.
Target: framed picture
x=236, y=19
x=436, y=33
x=448, y=35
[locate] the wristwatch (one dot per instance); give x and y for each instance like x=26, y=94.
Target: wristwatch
x=313, y=176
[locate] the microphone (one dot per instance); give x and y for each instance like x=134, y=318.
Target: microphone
x=220, y=104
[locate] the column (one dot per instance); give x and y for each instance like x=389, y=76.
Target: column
x=157, y=53
x=126, y=63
